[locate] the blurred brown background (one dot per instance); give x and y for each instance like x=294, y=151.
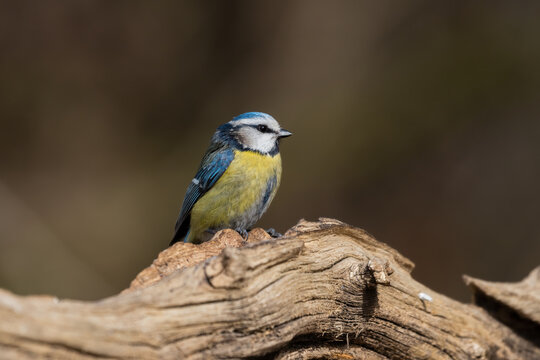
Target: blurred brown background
x=416, y=120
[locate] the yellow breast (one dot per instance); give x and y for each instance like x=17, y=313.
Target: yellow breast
x=237, y=197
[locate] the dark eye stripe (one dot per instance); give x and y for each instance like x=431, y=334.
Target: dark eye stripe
x=263, y=128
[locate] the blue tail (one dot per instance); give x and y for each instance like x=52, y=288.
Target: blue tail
x=181, y=231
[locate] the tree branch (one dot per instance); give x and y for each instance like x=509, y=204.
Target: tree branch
x=324, y=290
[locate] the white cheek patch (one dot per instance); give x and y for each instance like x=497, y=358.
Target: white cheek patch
x=264, y=142
x=253, y=139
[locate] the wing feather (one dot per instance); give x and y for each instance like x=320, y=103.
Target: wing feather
x=213, y=165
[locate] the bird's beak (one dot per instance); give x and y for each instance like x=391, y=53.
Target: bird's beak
x=284, y=133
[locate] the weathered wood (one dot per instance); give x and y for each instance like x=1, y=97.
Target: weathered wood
x=324, y=290
x=514, y=304
x=183, y=255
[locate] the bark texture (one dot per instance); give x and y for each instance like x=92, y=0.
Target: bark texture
x=325, y=290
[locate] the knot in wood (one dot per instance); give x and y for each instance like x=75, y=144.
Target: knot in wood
x=380, y=270
x=227, y=270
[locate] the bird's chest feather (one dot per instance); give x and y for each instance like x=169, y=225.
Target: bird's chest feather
x=243, y=192
x=250, y=171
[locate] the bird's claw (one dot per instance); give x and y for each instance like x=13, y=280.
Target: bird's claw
x=243, y=233
x=273, y=233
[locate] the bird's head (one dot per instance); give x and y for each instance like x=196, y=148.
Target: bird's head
x=255, y=131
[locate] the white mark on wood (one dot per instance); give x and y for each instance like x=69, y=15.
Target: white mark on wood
x=475, y=350
x=425, y=297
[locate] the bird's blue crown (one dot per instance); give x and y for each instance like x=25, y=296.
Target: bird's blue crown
x=251, y=115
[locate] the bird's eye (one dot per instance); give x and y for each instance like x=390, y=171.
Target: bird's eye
x=262, y=128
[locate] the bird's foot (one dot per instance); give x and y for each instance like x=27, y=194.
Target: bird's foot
x=273, y=233
x=243, y=233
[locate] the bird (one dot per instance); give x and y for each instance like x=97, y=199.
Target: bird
x=237, y=179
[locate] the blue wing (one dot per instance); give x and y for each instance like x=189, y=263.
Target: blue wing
x=213, y=165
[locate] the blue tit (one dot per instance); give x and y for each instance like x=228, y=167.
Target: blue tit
x=237, y=179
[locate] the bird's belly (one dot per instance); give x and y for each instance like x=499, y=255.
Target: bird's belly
x=241, y=195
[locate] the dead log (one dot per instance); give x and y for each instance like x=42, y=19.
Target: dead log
x=324, y=290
